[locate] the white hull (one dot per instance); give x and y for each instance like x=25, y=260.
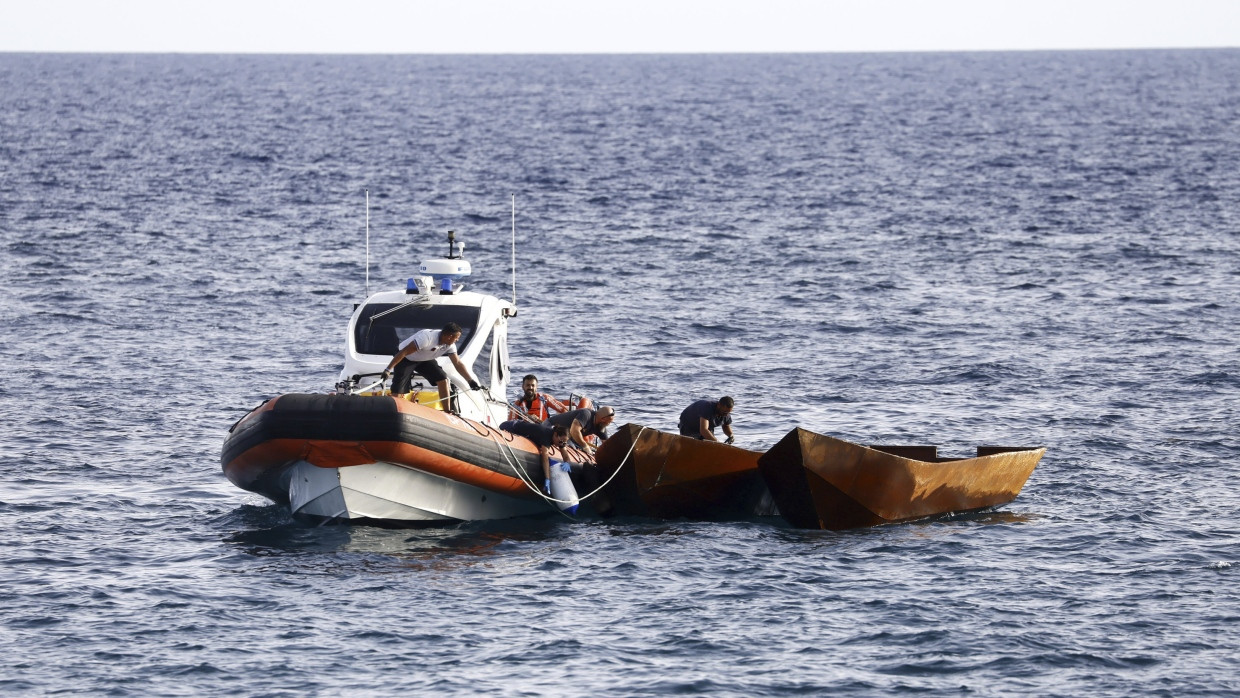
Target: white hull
x=397, y=493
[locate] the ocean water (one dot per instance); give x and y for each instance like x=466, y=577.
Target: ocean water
x=957, y=249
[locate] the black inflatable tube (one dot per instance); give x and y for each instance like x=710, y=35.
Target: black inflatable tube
x=357, y=418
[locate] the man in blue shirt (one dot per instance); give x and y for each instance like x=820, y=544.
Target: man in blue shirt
x=699, y=420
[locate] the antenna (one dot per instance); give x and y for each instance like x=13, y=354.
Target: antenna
x=514, y=249
x=368, y=243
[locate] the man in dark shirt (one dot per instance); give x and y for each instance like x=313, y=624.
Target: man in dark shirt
x=700, y=419
x=584, y=422
x=545, y=438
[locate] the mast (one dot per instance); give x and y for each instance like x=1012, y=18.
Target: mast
x=514, y=249
x=368, y=243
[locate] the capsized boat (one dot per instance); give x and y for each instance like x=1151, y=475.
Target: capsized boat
x=363, y=455
x=647, y=472
x=818, y=481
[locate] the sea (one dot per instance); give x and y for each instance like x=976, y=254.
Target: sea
x=1028, y=249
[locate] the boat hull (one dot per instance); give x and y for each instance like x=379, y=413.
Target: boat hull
x=818, y=481
x=385, y=493
x=668, y=476
x=382, y=460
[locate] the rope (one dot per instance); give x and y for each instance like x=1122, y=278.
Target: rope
x=372, y=386
x=580, y=498
x=355, y=391
x=521, y=414
x=513, y=462
x=622, y=462
x=516, y=466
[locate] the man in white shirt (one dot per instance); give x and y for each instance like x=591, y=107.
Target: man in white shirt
x=418, y=354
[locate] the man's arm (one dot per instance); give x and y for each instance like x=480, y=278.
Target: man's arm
x=727, y=429
x=554, y=403
x=575, y=435
x=704, y=428
x=546, y=465
x=409, y=349
x=460, y=368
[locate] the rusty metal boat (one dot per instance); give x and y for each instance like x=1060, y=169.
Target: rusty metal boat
x=818, y=481
x=652, y=473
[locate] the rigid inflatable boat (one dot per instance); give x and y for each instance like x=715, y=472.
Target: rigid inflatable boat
x=383, y=460
x=818, y=481
x=363, y=455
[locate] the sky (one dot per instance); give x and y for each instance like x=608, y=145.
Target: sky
x=611, y=26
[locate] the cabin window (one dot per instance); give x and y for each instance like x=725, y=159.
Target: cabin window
x=482, y=367
x=500, y=365
x=379, y=331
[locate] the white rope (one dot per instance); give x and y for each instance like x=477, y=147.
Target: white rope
x=510, y=457
x=481, y=409
x=372, y=386
x=580, y=498
x=622, y=462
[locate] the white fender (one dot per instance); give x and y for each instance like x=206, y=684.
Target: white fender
x=562, y=487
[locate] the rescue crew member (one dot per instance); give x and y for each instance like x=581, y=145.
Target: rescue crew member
x=699, y=420
x=545, y=438
x=585, y=422
x=418, y=354
x=533, y=403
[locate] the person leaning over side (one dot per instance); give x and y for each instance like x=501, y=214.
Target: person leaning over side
x=699, y=420
x=585, y=422
x=533, y=403
x=545, y=438
x=417, y=354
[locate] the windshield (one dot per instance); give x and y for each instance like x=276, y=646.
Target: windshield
x=382, y=334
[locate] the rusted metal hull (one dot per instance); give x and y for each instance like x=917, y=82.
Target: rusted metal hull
x=818, y=481
x=669, y=476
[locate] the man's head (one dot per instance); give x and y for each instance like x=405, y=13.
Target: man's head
x=604, y=416
x=724, y=406
x=529, y=386
x=450, y=333
x=559, y=435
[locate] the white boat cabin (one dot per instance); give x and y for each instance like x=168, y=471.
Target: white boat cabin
x=430, y=301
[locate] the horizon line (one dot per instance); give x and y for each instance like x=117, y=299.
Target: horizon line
x=195, y=52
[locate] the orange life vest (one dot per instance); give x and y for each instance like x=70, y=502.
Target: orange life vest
x=538, y=407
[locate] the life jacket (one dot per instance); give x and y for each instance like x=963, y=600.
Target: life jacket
x=539, y=407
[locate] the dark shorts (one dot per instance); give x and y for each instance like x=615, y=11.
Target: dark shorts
x=540, y=435
x=402, y=376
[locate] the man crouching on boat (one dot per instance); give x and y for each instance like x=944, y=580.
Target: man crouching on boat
x=699, y=420
x=544, y=438
x=417, y=354
x=584, y=422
